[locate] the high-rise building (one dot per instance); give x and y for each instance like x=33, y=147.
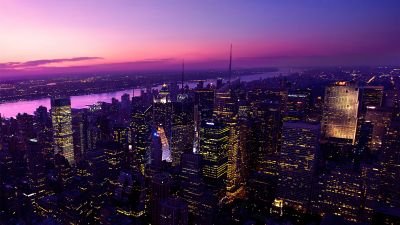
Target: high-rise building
x=138, y=155
x=182, y=131
x=371, y=96
x=214, y=139
x=298, y=104
x=62, y=128
x=391, y=163
x=36, y=169
x=130, y=194
x=163, y=95
x=42, y=116
x=297, y=164
x=203, y=109
x=174, y=211
x=340, y=111
x=114, y=157
x=263, y=150
x=341, y=191
x=160, y=190
x=379, y=118
x=267, y=125
x=237, y=159
x=192, y=184
x=204, y=99
x=125, y=102
x=224, y=104
x=79, y=127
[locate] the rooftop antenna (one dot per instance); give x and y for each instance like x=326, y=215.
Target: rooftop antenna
x=183, y=72
x=230, y=66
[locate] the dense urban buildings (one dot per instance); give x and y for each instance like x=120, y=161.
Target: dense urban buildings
x=243, y=153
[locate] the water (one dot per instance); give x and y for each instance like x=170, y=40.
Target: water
x=11, y=109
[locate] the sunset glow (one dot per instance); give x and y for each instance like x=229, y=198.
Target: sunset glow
x=270, y=33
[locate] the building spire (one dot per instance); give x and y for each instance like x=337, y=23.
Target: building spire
x=183, y=72
x=230, y=65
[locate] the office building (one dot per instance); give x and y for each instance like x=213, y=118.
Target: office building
x=297, y=164
x=62, y=128
x=340, y=111
x=214, y=139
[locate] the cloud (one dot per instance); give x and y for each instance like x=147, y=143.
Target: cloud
x=42, y=62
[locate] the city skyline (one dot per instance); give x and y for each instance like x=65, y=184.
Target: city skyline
x=99, y=36
x=175, y=112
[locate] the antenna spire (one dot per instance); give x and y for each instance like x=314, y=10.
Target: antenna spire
x=183, y=72
x=230, y=65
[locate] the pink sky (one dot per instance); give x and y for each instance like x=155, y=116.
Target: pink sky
x=147, y=34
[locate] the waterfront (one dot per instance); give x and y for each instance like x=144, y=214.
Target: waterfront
x=11, y=109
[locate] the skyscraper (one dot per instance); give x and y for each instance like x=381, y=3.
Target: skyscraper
x=340, y=111
x=191, y=181
x=182, y=130
x=130, y=194
x=371, y=96
x=204, y=99
x=300, y=143
x=140, y=131
x=237, y=159
x=62, y=128
x=174, y=211
x=380, y=119
x=341, y=192
x=214, y=139
x=160, y=190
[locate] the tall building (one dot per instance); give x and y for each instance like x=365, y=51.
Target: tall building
x=267, y=131
x=341, y=192
x=298, y=104
x=174, y=211
x=192, y=184
x=79, y=128
x=162, y=111
x=263, y=148
x=182, y=131
x=36, y=169
x=125, y=102
x=237, y=159
x=160, y=190
x=203, y=109
x=62, y=128
x=224, y=105
x=391, y=165
x=204, y=99
x=41, y=116
x=380, y=119
x=371, y=96
x=114, y=158
x=214, y=139
x=130, y=194
x=340, y=111
x=138, y=155
x=297, y=164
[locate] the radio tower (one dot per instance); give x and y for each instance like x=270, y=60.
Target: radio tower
x=230, y=66
x=183, y=72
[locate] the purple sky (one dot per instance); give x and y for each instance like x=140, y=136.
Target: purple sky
x=48, y=36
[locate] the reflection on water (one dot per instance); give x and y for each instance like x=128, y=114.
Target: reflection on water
x=11, y=109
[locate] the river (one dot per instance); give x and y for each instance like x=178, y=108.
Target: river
x=11, y=109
